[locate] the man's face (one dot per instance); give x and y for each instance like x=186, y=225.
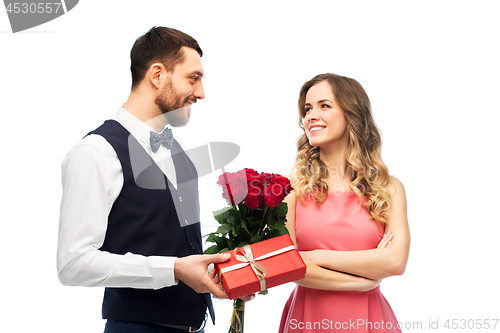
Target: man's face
x=182, y=88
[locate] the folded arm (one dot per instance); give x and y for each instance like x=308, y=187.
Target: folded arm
x=376, y=263
x=319, y=277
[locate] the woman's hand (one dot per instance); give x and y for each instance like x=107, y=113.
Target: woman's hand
x=316, y=256
x=367, y=284
x=386, y=240
x=312, y=256
x=323, y=257
x=318, y=277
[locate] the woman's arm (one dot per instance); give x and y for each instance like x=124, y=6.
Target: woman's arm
x=325, y=279
x=319, y=277
x=377, y=263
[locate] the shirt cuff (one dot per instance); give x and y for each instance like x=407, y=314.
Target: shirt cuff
x=163, y=271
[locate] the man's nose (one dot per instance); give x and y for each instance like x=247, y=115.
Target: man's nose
x=199, y=92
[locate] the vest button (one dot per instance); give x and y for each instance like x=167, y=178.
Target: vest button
x=192, y=246
x=180, y=199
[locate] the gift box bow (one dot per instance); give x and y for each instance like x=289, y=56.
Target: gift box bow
x=247, y=259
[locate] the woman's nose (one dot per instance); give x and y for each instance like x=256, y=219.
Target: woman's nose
x=312, y=115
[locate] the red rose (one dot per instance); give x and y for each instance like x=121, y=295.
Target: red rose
x=255, y=188
x=234, y=186
x=254, y=198
x=284, y=183
x=276, y=188
x=254, y=182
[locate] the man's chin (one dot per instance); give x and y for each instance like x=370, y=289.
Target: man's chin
x=179, y=117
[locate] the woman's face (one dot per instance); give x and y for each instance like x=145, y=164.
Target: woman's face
x=324, y=122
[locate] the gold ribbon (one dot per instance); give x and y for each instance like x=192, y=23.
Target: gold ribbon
x=237, y=316
x=259, y=270
x=247, y=259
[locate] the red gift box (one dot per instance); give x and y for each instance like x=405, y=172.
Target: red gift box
x=261, y=266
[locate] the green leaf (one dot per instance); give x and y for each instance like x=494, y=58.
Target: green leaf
x=211, y=237
x=236, y=230
x=232, y=244
x=282, y=229
x=242, y=244
x=243, y=209
x=244, y=224
x=271, y=234
x=282, y=209
x=255, y=239
x=224, y=250
x=212, y=250
x=220, y=215
x=254, y=225
x=221, y=242
x=252, y=220
x=231, y=219
x=263, y=292
x=224, y=229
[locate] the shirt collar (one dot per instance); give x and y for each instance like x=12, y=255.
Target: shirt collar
x=140, y=130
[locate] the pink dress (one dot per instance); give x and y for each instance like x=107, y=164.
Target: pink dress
x=340, y=224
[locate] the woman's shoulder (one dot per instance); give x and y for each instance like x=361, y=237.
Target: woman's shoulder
x=291, y=198
x=395, y=186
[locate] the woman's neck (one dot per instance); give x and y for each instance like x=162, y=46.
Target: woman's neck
x=334, y=159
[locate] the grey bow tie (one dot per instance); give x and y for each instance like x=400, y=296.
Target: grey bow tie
x=157, y=139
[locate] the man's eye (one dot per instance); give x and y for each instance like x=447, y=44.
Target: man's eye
x=193, y=79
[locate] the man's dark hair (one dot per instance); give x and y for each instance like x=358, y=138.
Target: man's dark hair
x=159, y=44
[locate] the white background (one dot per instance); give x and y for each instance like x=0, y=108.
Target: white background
x=431, y=70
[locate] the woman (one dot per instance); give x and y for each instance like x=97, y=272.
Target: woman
x=347, y=216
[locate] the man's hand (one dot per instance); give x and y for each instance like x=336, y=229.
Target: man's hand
x=193, y=271
x=215, y=278
x=248, y=298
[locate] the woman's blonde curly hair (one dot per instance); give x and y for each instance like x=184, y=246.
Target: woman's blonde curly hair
x=368, y=173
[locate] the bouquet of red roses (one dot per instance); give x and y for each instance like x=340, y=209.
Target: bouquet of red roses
x=256, y=213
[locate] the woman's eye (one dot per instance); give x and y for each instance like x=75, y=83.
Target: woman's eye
x=325, y=106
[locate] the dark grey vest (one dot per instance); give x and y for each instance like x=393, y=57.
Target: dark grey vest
x=151, y=218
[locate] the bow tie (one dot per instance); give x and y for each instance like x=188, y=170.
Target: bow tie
x=157, y=139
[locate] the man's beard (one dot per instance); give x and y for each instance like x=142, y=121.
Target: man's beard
x=172, y=106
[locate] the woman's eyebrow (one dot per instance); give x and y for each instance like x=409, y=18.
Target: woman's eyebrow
x=320, y=101
x=325, y=100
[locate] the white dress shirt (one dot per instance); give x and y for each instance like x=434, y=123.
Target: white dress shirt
x=92, y=179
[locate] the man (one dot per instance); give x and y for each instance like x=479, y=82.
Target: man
x=129, y=212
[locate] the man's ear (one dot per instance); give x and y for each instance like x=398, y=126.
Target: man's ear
x=157, y=74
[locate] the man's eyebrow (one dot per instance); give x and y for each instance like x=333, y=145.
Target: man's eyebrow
x=196, y=73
